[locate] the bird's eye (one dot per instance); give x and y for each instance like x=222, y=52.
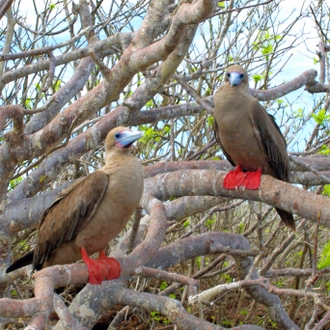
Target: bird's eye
x=228, y=74
x=117, y=135
x=241, y=75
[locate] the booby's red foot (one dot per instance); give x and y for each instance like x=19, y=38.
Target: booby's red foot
x=252, y=180
x=238, y=178
x=101, y=269
x=234, y=179
x=115, y=268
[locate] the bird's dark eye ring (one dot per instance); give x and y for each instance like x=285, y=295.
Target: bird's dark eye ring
x=117, y=135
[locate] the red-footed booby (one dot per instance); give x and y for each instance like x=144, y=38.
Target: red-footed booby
x=249, y=137
x=92, y=211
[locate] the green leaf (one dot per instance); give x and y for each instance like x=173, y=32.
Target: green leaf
x=227, y=278
x=325, y=257
x=198, y=261
x=324, y=150
x=28, y=104
x=209, y=222
x=241, y=228
x=42, y=178
x=258, y=77
x=210, y=121
x=150, y=104
x=326, y=190
x=163, y=285
x=280, y=283
x=244, y=312
x=38, y=87
x=15, y=182
x=167, y=129
x=267, y=35
x=221, y=4
x=265, y=50
x=155, y=316
x=299, y=113
x=57, y=85
x=227, y=323
x=321, y=117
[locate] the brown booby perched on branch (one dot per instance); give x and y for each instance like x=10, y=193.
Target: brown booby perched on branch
x=248, y=136
x=92, y=211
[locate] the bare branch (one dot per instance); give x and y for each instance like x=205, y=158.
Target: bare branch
x=4, y=6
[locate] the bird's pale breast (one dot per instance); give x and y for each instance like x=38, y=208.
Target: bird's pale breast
x=121, y=198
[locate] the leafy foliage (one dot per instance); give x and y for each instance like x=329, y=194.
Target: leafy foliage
x=321, y=117
x=324, y=257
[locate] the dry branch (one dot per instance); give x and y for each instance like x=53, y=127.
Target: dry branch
x=271, y=191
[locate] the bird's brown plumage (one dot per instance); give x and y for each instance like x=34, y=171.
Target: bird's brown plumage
x=248, y=136
x=94, y=209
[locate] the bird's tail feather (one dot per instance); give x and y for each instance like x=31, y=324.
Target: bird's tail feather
x=287, y=218
x=24, y=261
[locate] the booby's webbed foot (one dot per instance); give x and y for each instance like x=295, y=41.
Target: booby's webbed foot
x=234, y=179
x=101, y=269
x=252, y=180
x=238, y=178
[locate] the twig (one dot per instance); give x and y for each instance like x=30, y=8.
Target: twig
x=166, y=276
x=115, y=323
x=318, y=23
x=209, y=214
x=43, y=50
x=107, y=74
x=239, y=9
x=208, y=295
x=134, y=230
x=51, y=72
x=316, y=242
x=322, y=323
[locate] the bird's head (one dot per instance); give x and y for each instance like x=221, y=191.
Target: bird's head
x=236, y=75
x=121, y=138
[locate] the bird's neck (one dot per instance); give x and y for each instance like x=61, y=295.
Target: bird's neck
x=243, y=87
x=113, y=154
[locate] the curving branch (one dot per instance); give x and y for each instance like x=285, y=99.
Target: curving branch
x=271, y=191
x=307, y=78
x=27, y=214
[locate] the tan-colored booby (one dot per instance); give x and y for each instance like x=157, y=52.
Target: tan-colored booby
x=248, y=136
x=92, y=211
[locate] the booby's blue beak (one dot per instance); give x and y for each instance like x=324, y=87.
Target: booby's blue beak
x=235, y=78
x=125, y=138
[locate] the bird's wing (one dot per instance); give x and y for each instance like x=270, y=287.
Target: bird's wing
x=271, y=140
x=69, y=214
x=217, y=137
